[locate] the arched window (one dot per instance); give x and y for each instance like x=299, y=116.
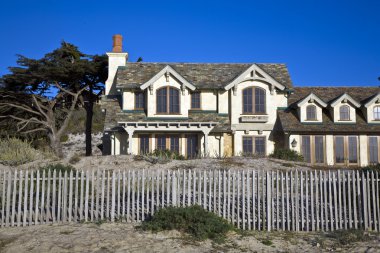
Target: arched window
x=376, y=113
x=311, y=112
x=168, y=100
x=344, y=112
x=254, y=100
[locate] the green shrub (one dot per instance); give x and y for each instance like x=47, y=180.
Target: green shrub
x=64, y=138
x=59, y=167
x=166, y=154
x=194, y=220
x=287, y=154
x=345, y=237
x=14, y=152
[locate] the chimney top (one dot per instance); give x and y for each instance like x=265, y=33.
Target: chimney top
x=117, y=43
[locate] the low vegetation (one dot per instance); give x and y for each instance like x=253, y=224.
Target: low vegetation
x=58, y=167
x=374, y=168
x=159, y=156
x=287, y=154
x=195, y=221
x=15, y=152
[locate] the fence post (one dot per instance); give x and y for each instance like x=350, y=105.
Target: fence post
x=269, y=199
x=113, y=197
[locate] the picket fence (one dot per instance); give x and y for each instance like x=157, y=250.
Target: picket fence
x=249, y=199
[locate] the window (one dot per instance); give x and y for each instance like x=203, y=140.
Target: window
x=376, y=113
x=319, y=156
x=161, y=142
x=170, y=142
x=139, y=100
x=306, y=152
x=313, y=148
x=346, y=150
x=168, y=100
x=196, y=100
x=253, y=100
x=174, y=143
x=373, y=149
x=311, y=112
x=352, y=149
x=344, y=112
x=339, y=149
x=253, y=145
x=144, y=144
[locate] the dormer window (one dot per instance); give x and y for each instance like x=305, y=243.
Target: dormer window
x=311, y=112
x=254, y=100
x=168, y=100
x=376, y=113
x=344, y=112
x=139, y=100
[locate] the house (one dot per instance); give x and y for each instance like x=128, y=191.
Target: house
x=220, y=109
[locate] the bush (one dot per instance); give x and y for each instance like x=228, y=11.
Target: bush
x=168, y=154
x=287, y=154
x=374, y=168
x=59, y=167
x=194, y=220
x=14, y=152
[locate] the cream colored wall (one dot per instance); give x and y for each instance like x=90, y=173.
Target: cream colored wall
x=208, y=100
x=363, y=150
x=114, y=61
x=223, y=101
x=272, y=101
x=337, y=115
x=329, y=139
x=118, y=144
x=369, y=113
x=151, y=98
x=214, y=146
x=128, y=100
x=302, y=111
x=238, y=141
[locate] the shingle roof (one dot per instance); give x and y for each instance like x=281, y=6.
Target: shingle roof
x=328, y=94
x=291, y=123
x=201, y=75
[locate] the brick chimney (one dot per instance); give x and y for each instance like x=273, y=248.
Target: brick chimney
x=116, y=59
x=117, y=43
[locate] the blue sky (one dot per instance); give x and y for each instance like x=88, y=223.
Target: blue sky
x=323, y=43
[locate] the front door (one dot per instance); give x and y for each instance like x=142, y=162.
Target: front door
x=192, y=146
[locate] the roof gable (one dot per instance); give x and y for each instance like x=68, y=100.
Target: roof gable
x=166, y=71
x=309, y=97
x=347, y=97
x=375, y=99
x=256, y=74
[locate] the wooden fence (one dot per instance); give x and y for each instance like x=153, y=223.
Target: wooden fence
x=249, y=199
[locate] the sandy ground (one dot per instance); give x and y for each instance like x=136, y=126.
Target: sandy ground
x=121, y=237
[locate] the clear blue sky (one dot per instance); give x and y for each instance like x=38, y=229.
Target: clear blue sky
x=322, y=42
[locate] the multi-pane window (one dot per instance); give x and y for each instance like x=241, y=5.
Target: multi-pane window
x=144, y=144
x=346, y=149
x=311, y=112
x=339, y=149
x=170, y=142
x=253, y=145
x=168, y=100
x=174, y=143
x=313, y=148
x=306, y=152
x=376, y=113
x=373, y=147
x=344, y=112
x=254, y=100
x=195, y=100
x=139, y=100
x=161, y=142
